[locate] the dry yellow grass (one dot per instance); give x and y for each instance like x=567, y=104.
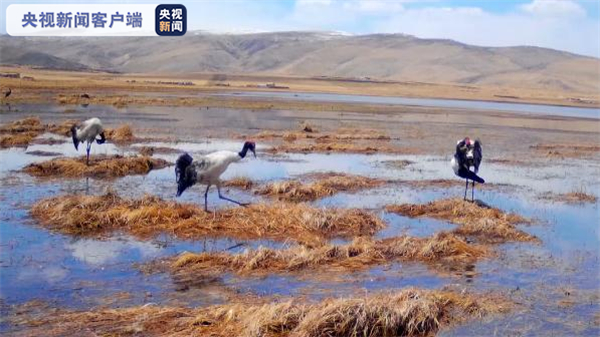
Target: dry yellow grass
x=486, y=223
x=408, y=312
x=567, y=150
x=339, y=134
x=571, y=197
x=359, y=254
x=150, y=216
x=239, y=182
x=29, y=124
x=328, y=184
x=20, y=132
x=63, y=129
x=122, y=134
x=340, y=146
x=21, y=139
x=100, y=166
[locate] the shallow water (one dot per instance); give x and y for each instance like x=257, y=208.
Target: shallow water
x=535, y=109
x=77, y=272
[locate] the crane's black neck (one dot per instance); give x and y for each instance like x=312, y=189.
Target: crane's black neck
x=244, y=150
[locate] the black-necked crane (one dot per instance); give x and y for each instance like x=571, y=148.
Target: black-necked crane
x=468, y=154
x=207, y=170
x=7, y=93
x=87, y=131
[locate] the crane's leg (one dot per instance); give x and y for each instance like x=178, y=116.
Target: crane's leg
x=473, y=191
x=206, y=198
x=466, y=188
x=230, y=200
x=88, y=148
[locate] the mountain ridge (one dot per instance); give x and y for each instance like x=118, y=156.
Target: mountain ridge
x=379, y=56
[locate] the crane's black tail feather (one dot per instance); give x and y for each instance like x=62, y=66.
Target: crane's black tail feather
x=473, y=176
x=74, y=135
x=184, y=173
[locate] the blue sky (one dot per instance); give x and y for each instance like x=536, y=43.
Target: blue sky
x=569, y=25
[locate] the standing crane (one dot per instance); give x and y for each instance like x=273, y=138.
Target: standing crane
x=468, y=154
x=208, y=169
x=87, y=131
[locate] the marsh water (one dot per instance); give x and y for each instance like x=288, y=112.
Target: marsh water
x=536, y=109
x=555, y=282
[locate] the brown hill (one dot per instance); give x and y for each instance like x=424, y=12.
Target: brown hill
x=379, y=56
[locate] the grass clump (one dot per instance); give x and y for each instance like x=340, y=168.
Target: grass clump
x=327, y=184
x=20, y=132
x=122, y=134
x=150, y=216
x=239, y=182
x=340, y=147
x=575, y=197
x=359, y=254
x=17, y=140
x=486, y=223
x=408, y=312
x=100, y=166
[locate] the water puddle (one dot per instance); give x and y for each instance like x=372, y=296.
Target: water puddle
x=77, y=272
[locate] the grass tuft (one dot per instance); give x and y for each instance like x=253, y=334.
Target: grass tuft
x=100, y=166
x=488, y=224
x=359, y=254
x=328, y=184
x=408, y=312
x=150, y=216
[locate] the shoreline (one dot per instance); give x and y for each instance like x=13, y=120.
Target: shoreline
x=58, y=81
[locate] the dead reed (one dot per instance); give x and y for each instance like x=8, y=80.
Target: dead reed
x=359, y=254
x=328, y=184
x=122, y=134
x=239, y=182
x=21, y=139
x=20, y=132
x=408, y=312
x=576, y=197
x=150, y=216
x=488, y=224
x=100, y=166
x=340, y=147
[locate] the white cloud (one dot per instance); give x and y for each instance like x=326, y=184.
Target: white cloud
x=555, y=8
x=570, y=32
x=99, y=252
x=557, y=24
x=374, y=6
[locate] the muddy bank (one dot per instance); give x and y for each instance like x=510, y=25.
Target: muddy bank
x=487, y=224
x=408, y=312
x=150, y=216
x=102, y=166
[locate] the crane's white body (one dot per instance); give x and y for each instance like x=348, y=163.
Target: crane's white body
x=207, y=170
x=455, y=165
x=210, y=167
x=88, y=130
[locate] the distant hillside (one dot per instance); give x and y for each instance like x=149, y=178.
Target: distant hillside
x=380, y=56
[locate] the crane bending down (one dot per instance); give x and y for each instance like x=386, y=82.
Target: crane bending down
x=207, y=170
x=87, y=131
x=468, y=154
